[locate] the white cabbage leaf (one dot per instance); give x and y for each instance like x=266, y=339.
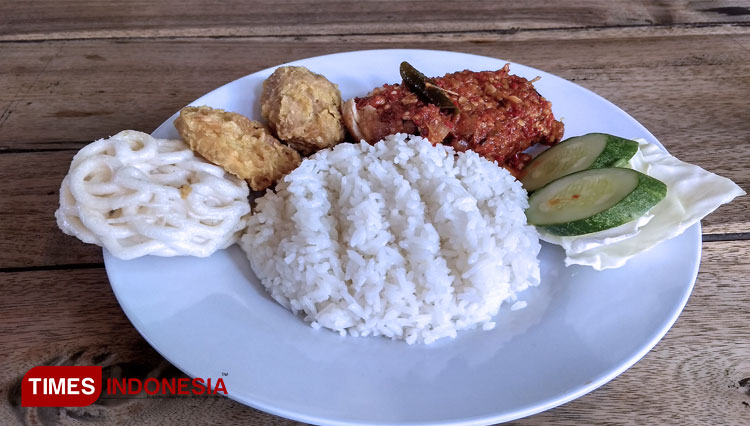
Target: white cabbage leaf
x=692, y=194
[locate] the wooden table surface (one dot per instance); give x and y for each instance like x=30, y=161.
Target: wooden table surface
x=75, y=71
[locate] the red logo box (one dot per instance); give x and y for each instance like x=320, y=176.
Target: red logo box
x=61, y=386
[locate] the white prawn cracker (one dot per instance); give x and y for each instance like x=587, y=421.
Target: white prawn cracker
x=136, y=195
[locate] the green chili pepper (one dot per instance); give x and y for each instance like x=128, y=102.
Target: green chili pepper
x=426, y=88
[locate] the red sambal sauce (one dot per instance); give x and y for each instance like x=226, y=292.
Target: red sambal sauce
x=500, y=115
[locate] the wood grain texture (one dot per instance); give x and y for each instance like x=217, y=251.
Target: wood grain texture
x=696, y=375
x=30, y=181
x=139, y=83
x=49, y=19
x=74, y=71
x=29, y=188
x=48, y=105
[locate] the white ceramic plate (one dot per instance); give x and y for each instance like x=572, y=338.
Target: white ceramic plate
x=211, y=318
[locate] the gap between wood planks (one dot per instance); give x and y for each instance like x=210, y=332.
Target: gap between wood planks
x=6, y=150
x=318, y=32
x=707, y=238
x=72, y=266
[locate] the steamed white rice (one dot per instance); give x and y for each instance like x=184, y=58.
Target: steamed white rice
x=400, y=239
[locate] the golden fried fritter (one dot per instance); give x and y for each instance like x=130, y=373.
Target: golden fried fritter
x=303, y=108
x=242, y=147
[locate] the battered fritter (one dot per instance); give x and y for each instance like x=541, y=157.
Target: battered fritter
x=303, y=109
x=239, y=145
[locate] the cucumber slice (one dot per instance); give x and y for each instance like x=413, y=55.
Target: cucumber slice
x=591, y=151
x=593, y=200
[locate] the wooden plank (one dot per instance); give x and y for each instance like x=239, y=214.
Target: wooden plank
x=29, y=184
x=643, y=71
x=30, y=195
x=697, y=374
x=138, y=84
x=49, y=19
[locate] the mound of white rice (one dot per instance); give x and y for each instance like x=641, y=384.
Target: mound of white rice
x=400, y=239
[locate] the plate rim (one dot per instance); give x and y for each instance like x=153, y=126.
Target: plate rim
x=541, y=406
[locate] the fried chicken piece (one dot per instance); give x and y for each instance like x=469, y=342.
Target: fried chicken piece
x=500, y=115
x=303, y=108
x=242, y=147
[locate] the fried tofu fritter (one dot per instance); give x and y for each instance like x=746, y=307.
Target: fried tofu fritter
x=242, y=147
x=303, y=108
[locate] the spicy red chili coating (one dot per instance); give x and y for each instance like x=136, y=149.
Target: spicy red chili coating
x=500, y=115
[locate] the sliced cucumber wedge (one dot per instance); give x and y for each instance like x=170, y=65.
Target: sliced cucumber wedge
x=591, y=151
x=593, y=200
